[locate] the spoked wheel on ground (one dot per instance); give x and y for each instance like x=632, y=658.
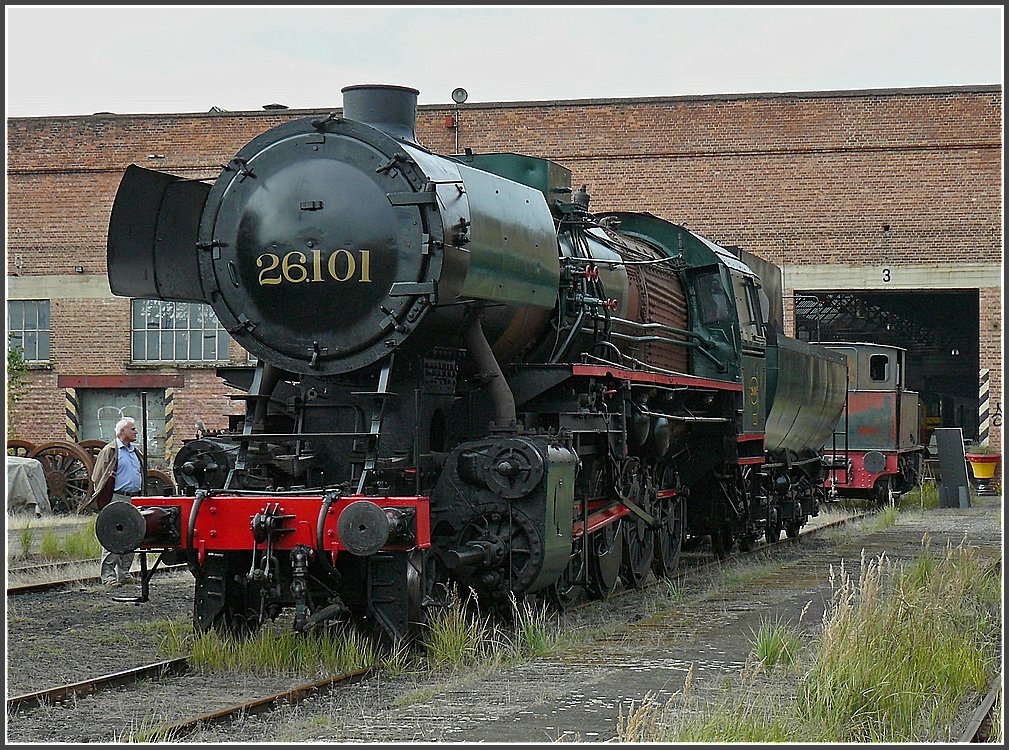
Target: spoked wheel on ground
x=22, y=448
x=499, y=528
x=92, y=447
x=159, y=483
x=68, y=474
x=429, y=588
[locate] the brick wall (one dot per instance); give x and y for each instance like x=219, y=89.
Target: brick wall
x=797, y=179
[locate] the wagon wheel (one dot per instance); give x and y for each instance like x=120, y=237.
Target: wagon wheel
x=21, y=448
x=158, y=483
x=67, y=468
x=92, y=448
x=883, y=491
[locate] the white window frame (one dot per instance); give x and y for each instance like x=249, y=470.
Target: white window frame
x=29, y=327
x=165, y=331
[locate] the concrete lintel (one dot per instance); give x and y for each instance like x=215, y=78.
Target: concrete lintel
x=892, y=276
x=66, y=286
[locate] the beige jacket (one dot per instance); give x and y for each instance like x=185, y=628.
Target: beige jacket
x=105, y=465
x=104, y=475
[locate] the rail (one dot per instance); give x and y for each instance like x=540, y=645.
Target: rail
x=983, y=712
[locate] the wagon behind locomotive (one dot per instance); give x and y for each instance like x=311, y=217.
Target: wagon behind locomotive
x=876, y=449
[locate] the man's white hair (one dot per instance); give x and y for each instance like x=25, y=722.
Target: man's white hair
x=123, y=423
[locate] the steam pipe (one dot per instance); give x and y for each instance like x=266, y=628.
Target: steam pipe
x=500, y=392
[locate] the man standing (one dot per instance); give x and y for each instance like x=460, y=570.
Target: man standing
x=118, y=463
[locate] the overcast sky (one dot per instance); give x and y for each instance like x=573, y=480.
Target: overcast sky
x=64, y=60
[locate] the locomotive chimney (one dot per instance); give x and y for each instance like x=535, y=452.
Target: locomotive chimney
x=391, y=109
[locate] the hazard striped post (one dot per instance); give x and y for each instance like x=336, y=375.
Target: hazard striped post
x=983, y=418
x=72, y=409
x=169, y=425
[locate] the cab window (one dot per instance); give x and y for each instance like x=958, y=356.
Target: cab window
x=879, y=368
x=711, y=297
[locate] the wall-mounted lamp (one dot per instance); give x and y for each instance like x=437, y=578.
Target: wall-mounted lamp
x=78, y=269
x=954, y=352
x=459, y=96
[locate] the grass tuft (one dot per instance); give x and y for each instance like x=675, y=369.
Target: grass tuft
x=923, y=497
x=339, y=649
x=776, y=643
x=885, y=518
x=27, y=539
x=926, y=636
x=457, y=635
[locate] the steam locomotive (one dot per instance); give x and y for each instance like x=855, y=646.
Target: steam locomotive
x=465, y=381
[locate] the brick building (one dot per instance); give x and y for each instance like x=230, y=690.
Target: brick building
x=882, y=206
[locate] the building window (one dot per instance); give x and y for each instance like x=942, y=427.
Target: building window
x=28, y=327
x=177, y=332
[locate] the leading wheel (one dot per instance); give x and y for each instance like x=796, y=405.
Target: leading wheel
x=68, y=474
x=428, y=588
x=513, y=556
x=568, y=589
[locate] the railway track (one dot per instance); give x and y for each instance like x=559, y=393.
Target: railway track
x=56, y=695
x=24, y=579
x=178, y=729
x=979, y=727
x=175, y=730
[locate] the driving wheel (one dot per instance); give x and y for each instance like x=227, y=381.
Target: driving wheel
x=639, y=542
x=669, y=537
x=607, y=551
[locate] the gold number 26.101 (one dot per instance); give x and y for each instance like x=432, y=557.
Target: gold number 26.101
x=295, y=267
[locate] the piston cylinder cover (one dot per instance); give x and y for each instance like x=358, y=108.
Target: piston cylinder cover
x=122, y=527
